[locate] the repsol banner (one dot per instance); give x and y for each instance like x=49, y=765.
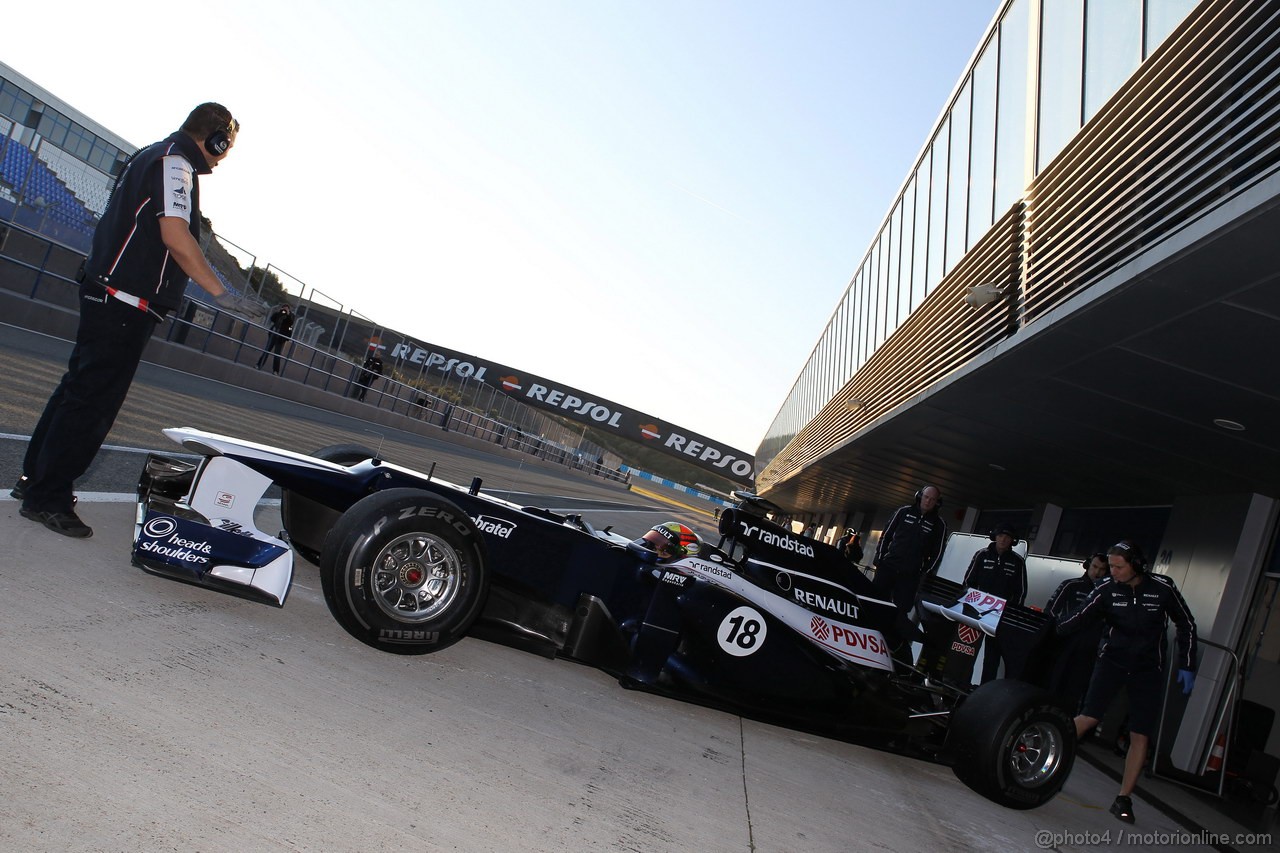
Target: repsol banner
x=542, y=393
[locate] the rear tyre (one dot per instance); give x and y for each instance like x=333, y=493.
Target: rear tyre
x=1012, y=743
x=308, y=522
x=404, y=571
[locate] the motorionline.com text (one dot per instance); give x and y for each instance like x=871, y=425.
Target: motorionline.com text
x=1048, y=839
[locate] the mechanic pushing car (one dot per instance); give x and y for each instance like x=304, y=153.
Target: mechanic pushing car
x=670, y=540
x=1136, y=607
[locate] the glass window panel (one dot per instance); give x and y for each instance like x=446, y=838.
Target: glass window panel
x=864, y=290
x=1163, y=16
x=919, y=263
x=1112, y=43
x=846, y=322
x=1061, y=67
x=825, y=365
x=958, y=181
x=895, y=258
x=906, y=222
x=1011, y=108
x=937, y=208
x=876, y=288
x=886, y=298
x=80, y=146
x=982, y=135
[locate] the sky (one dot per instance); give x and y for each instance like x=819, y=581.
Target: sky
x=659, y=203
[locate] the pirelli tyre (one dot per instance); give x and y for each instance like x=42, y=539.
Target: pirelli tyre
x=404, y=571
x=1012, y=743
x=308, y=522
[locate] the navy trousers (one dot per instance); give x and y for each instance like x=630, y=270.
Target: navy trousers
x=79, y=414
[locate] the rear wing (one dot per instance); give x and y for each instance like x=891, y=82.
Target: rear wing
x=1025, y=634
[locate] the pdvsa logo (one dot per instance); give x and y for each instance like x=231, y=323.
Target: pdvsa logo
x=984, y=602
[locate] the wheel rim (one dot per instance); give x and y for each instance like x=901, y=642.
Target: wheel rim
x=416, y=577
x=1036, y=754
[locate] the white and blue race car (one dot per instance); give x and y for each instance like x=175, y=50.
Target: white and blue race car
x=764, y=623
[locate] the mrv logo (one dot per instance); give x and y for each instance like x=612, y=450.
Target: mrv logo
x=165, y=542
x=777, y=540
x=706, y=453
x=498, y=527
x=436, y=361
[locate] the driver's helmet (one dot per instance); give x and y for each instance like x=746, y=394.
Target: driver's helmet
x=670, y=540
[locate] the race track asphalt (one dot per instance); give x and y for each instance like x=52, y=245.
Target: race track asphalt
x=140, y=714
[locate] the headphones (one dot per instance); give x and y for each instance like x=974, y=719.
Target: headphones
x=1088, y=561
x=1005, y=529
x=219, y=141
x=920, y=494
x=1131, y=554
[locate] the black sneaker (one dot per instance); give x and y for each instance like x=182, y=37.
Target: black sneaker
x=1123, y=809
x=66, y=523
x=19, y=490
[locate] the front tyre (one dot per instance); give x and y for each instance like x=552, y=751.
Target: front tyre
x=1012, y=743
x=404, y=571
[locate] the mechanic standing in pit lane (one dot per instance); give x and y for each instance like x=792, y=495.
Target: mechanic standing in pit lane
x=1001, y=571
x=1136, y=608
x=909, y=548
x=145, y=247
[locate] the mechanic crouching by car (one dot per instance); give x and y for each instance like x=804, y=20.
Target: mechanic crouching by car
x=1135, y=608
x=1000, y=571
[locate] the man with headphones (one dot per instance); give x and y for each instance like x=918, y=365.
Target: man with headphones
x=1073, y=662
x=1000, y=571
x=144, y=249
x=1135, y=609
x=910, y=547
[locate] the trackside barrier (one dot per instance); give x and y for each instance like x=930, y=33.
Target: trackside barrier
x=662, y=481
x=38, y=269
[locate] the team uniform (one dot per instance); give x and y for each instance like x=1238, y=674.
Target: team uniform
x=1132, y=651
x=130, y=283
x=1003, y=575
x=1073, y=664
x=910, y=547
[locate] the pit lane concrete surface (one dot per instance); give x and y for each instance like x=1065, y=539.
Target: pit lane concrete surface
x=139, y=714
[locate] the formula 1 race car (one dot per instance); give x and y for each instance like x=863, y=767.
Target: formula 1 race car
x=764, y=623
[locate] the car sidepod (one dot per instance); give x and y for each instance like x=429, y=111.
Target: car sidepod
x=711, y=634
